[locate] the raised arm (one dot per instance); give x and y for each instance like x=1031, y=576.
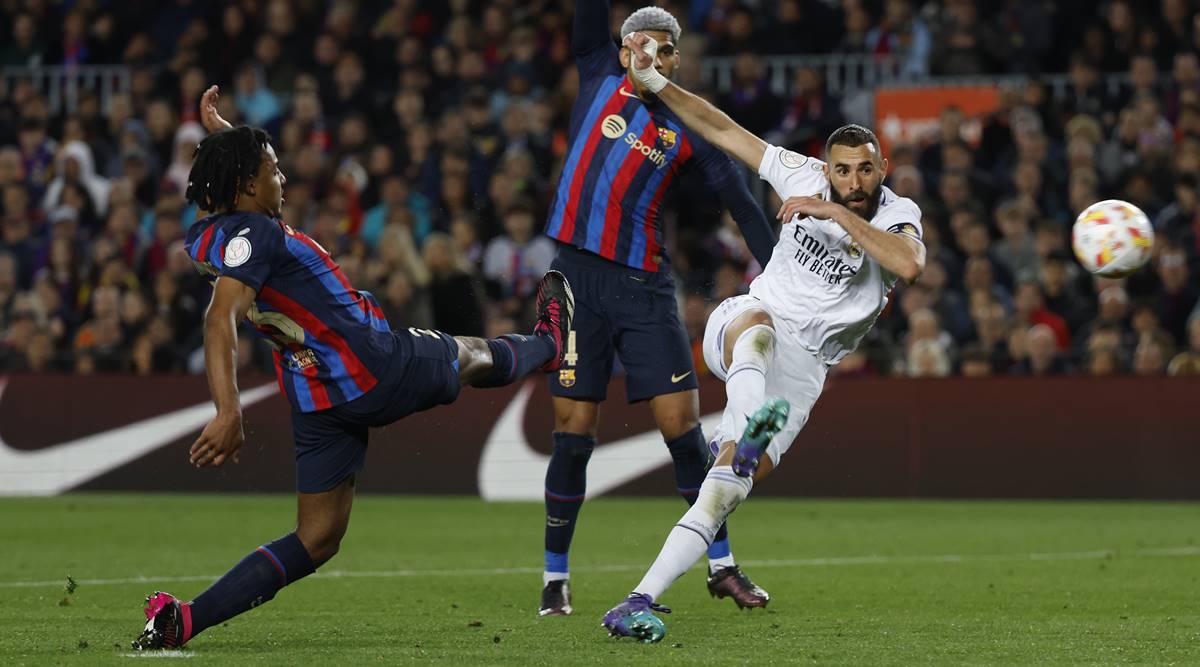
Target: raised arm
x=590, y=30
x=714, y=125
x=210, y=118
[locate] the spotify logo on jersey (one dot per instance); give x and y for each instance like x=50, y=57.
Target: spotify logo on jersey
x=613, y=126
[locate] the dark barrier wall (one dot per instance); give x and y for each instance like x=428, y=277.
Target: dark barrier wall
x=998, y=438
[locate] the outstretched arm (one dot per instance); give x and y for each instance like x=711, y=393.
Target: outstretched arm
x=714, y=125
x=901, y=255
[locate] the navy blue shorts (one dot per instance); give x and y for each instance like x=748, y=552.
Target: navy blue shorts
x=628, y=312
x=331, y=444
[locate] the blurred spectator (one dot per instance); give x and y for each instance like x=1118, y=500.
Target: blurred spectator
x=256, y=102
x=750, y=101
x=74, y=165
x=926, y=358
x=902, y=34
x=453, y=294
x=976, y=362
x=1015, y=249
x=1151, y=355
x=1031, y=310
x=966, y=45
x=1187, y=362
x=515, y=261
x=1043, y=354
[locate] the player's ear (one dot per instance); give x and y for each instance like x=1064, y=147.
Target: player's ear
x=883, y=167
x=624, y=57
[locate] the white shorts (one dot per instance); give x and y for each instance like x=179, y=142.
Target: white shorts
x=797, y=375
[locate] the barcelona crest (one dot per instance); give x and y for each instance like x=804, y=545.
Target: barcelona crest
x=566, y=377
x=666, y=136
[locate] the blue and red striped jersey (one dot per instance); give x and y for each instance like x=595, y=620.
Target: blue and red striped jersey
x=326, y=335
x=623, y=156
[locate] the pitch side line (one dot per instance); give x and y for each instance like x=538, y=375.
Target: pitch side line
x=793, y=562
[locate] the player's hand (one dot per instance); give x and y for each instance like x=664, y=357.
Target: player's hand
x=210, y=118
x=643, y=58
x=808, y=206
x=220, y=440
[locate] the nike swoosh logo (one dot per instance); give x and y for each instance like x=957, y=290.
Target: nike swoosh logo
x=626, y=93
x=676, y=378
x=66, y=465
x=510, y=469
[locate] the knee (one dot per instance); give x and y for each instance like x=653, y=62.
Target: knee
x=321, y=542
x=574, y=446
x=754, y=334
x=677, y=421
x=474, y=359
x=581, y=418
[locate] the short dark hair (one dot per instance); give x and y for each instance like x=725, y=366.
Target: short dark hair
x=225, y=162
x=852, y=135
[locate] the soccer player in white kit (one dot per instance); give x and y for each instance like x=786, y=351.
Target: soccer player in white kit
x=846, y=240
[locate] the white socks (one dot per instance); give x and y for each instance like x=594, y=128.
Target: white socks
x=746, y=380
x=721, y=493
x=547, y=577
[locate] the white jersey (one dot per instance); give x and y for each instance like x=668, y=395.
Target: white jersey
x=819, y=281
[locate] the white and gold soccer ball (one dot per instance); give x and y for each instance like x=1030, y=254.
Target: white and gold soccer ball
x=1112, y=238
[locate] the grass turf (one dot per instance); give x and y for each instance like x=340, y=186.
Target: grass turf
x=457, y=580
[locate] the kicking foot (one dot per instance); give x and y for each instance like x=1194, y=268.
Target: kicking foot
x=635, y=618
x=732, y=582
x=555, y=310
x=556, y=599
x=168, y=625
x=763, y=425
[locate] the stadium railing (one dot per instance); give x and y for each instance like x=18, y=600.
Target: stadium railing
x=847, y=74
x=61, y=85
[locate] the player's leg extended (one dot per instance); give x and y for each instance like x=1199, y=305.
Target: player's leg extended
x=658, y=361
x=678, y=418
x=720, y=494
x=322, y=519
x=497, y=362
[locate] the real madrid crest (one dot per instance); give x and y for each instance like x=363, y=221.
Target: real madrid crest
x=792, y=159
x=854, y=250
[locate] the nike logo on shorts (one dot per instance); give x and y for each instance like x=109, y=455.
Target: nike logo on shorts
x=675, y=379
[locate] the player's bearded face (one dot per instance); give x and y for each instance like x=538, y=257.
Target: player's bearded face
x=856, y=178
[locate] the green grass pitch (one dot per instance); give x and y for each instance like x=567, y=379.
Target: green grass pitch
x=457, y=580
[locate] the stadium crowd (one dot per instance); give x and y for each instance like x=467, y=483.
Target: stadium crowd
x=421, y=140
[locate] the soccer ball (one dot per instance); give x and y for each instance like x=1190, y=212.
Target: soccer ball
x=1112, y=238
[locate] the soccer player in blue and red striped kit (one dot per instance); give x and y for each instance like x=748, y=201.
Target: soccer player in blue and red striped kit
x=626, y=151
x=338, y=361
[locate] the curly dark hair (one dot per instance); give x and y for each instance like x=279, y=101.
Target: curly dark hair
x=225, y=162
